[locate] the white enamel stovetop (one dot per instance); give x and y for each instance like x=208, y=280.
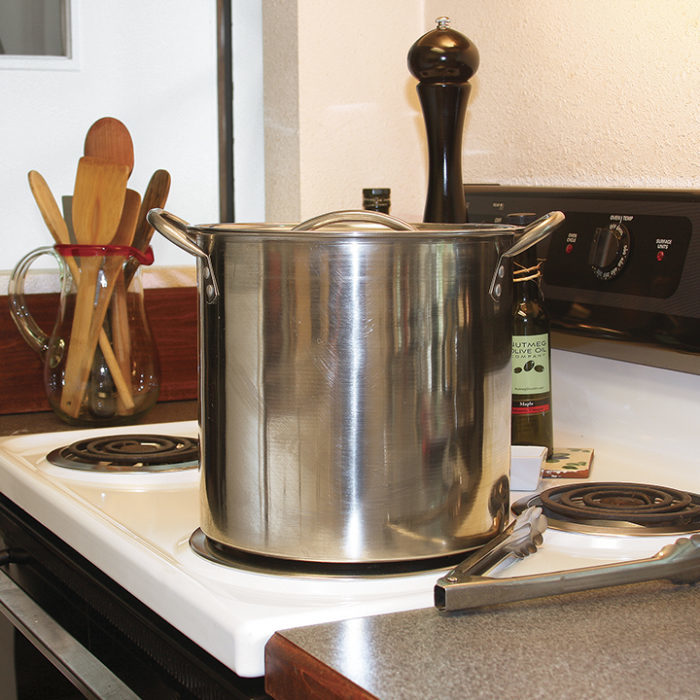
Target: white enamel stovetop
x=136, y=527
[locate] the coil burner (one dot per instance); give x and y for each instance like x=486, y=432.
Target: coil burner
x=617, y=508
x=128, y=453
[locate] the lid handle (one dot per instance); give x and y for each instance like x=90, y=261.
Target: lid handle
x=354, y=215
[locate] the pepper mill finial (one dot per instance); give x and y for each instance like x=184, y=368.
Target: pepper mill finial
x=443, y=61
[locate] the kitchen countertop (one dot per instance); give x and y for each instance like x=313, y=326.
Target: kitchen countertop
x=48, y=422
x=637, y=641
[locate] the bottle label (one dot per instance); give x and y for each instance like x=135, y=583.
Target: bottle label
x=530, y=407
x=530, y=365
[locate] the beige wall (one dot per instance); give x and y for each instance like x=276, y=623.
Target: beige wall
x=340, y=112
x=568, y=93
x=592, y=93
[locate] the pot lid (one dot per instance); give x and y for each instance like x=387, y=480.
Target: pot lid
x=361, y=224
x=324, y=228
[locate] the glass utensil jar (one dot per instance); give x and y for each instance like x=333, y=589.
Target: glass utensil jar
x=100, y=361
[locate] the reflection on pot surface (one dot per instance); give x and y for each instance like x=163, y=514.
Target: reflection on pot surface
x=355, y=391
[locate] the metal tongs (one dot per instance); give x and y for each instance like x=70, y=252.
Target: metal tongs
x=466, y=587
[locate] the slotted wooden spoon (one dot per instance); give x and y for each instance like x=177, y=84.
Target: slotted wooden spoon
x=98, y=201
x=59, y=231
x=155, y=196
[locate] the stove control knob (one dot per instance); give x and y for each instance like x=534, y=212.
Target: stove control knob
x=610, y=251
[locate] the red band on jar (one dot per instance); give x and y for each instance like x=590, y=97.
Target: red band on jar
x=70, y=250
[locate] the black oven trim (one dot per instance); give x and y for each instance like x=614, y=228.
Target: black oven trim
x=138, y=646
x=612, y=319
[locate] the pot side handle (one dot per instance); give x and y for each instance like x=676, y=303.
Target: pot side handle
x=175, y=230
x=532, y=234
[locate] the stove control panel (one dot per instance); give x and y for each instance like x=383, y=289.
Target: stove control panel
x=622, y=273
x=634, y=254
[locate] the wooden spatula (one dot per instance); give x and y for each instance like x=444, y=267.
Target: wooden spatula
x=98, y=201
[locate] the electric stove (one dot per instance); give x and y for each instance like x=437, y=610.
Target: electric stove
x=134, y=528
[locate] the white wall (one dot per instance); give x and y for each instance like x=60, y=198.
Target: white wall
x=248, y=111
x=150, y=63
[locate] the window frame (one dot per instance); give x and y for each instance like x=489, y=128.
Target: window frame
x=70, y=62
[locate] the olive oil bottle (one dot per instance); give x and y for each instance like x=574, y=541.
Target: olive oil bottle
x=531, y=415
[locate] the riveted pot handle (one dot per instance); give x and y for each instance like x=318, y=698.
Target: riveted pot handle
x=532, y=234
x=175, y=230
x=354, y=215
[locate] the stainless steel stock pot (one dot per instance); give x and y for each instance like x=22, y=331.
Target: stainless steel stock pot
x=354, y=384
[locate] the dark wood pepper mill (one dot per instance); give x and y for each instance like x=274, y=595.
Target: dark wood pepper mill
x=443, y=61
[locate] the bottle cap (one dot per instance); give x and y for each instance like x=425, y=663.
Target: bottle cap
x=376, y=192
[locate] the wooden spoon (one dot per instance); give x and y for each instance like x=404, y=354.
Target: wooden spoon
x=98, y=201
x=110, y=140
x=59, y=231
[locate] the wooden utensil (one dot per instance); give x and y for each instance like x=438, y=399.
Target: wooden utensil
x=98, y=201
x=109, y=139
x=48, y=208
x=59, y=231
x=115, y=290
x=155, y=196
x=67, y=209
